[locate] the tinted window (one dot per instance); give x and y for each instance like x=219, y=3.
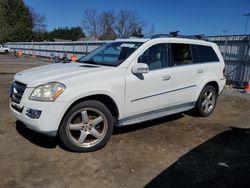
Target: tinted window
x=205, y=54
x=156, y=57
x=195, y=56
x=181, y=54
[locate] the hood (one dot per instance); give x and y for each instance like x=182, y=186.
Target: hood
x=55, y=72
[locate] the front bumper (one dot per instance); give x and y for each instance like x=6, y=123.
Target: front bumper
x=49, y=120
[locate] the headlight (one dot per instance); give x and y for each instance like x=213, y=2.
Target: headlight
x=47, y=92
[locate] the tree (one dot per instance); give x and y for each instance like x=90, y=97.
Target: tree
x=109, y=25
x=106, y=20
x=126, y=23
x=2, y=24
x=16, y=21
x=39, y=21
x=91, y=22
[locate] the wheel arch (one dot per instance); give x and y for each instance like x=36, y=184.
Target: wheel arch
x=108, y=101
x=212, y=83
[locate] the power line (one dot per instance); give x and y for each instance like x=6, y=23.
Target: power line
x=247, y=14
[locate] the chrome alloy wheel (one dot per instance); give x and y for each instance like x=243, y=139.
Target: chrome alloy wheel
x=208, y=101
x=87, y=127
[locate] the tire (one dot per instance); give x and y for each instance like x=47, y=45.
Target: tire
x=6, y=52
x=86, y=127
x=206, y=103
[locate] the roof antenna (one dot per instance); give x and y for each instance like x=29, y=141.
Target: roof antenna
x=174, y=33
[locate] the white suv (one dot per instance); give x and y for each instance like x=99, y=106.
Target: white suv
x=124, y=82
x=4, y=49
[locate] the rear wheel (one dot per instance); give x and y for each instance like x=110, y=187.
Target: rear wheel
x=86, y=127
x=206, y=101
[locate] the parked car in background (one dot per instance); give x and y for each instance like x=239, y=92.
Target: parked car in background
x=124, y=82
x=4, y=49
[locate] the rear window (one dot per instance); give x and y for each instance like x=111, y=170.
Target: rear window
x=204, y=54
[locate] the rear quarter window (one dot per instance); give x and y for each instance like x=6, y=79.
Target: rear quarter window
x=204, y=54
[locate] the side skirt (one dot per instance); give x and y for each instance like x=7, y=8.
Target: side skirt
x=156, y=114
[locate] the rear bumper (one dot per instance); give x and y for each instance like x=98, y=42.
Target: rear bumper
x=222, y=85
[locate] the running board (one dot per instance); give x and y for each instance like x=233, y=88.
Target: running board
x=156, y=114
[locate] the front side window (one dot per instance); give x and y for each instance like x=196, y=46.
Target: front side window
x=156, y=57
x=181, y=54
x=111, y=54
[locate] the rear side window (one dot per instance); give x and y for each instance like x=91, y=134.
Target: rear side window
x=204, y=54
x=181, y=54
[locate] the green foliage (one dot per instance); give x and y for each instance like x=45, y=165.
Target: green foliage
x=15, y=20
x=20, y=23
x=73, y=33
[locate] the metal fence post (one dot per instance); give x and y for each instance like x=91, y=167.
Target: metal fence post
x=225, y=48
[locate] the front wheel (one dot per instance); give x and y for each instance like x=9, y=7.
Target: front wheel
x=86, y=127
x=206, y=101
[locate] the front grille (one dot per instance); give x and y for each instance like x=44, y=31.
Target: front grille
x=16, y=92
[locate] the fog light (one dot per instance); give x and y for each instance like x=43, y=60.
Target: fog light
x=33, y=114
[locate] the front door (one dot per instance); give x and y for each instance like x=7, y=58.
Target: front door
x=149, y=92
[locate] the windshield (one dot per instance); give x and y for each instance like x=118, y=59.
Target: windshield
x=111, y=54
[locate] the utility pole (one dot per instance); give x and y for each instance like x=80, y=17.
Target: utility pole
x=247, y=14
x=225, y=45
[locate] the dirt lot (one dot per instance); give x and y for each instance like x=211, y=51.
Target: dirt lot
x=176, y=151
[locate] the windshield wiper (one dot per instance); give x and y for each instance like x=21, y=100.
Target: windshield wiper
x=96, y=63
x=90, y=62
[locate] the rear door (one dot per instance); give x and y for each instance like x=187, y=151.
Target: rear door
x=186, y=74
x=211, y=63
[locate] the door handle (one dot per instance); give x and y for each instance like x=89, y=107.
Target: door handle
x=200, y=71
x=165, y=78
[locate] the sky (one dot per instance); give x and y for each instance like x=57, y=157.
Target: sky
x=209, y=17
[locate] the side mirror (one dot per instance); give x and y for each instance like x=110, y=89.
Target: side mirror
x=140, y=68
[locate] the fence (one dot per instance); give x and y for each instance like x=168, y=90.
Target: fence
x=236, y=53
x=235, y=50
x=58, y=49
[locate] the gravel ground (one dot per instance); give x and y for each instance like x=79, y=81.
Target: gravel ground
x=175, y=151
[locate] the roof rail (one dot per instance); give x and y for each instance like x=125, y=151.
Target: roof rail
x=171, y=34
x=175, y=34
